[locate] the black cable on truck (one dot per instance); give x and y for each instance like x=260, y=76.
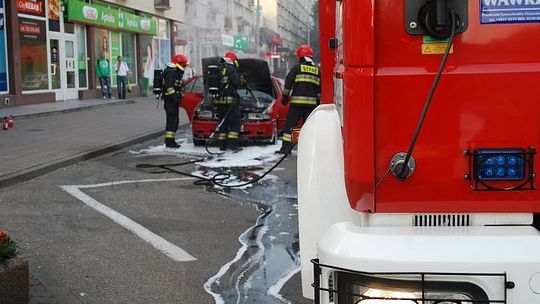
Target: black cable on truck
x=402, y=175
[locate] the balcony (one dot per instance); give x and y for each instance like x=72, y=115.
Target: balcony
x=162, y=4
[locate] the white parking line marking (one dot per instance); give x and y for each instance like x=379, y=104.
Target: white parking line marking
x=133, y=182
x=169, y=249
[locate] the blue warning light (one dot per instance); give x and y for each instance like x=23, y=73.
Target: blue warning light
x=500, y=164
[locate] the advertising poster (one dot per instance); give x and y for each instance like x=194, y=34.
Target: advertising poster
x=33, y=54
x=54, y=9
x=31, y=7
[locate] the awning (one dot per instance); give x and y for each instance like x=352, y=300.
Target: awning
x=269, y=36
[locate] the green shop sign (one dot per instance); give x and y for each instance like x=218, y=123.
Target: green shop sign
x=78, y=11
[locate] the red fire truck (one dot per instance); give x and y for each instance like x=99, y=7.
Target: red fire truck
x=418, y=183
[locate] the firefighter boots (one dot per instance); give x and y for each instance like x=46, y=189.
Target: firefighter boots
x=285, y=147
x=171, y=143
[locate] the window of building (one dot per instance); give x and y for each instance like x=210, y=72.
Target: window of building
x=82, y=62
x=33, y=55
x=117, y=44
x=101, y=46
x=54, y=45
x=129, y=55
x=148, y=51
x=3, y=52
x=162, y=45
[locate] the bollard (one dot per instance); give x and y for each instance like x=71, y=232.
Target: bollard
x=5, y=124
x=11, y=122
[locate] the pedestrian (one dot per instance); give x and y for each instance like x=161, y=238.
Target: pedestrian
x=302, y=90
x=103, y=71
x=172, y=95
x=122, y=70
x=228, y=104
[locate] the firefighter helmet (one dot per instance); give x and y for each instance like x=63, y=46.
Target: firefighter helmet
x=304, y=51
x=180, y=59
x=231, y=55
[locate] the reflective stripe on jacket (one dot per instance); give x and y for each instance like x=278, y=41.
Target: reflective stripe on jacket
x=229, y=84
x=303, y=84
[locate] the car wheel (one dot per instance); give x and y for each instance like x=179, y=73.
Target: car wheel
x=199, y=142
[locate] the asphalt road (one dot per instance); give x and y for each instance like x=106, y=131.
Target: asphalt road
x=119, y=253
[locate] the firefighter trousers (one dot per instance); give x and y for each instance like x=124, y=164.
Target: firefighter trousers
x=293, y=117
x=230, y=128
x=171, y=106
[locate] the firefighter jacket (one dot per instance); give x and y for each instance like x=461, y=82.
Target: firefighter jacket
x=303, y=84
x=172, y=80
x=230, y=82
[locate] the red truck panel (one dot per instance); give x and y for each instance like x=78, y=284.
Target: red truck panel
x=488, y=97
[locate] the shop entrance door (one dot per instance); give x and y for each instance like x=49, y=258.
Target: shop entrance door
x=64, y=68
x=70, y=85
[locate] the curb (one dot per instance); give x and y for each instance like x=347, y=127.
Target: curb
x=38, y=170
x=75, y=109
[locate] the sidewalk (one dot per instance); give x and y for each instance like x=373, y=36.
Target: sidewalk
x=50, y=136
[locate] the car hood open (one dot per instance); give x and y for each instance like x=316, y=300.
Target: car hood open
x=255, y=71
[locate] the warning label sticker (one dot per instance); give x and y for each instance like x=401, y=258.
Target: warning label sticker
x=509, y=11
x=435, y=48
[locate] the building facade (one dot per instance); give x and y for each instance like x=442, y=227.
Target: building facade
x=294, y=21
x=49, y=48
x=214, y=26
x=286, y=24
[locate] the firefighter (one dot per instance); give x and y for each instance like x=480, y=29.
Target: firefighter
x=227, y=103
x=172, y=95
x=302, y=90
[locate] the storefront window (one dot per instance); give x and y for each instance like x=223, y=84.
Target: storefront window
x=164, y=29
x=3, y=53
x=129, y=56
x=82, y=63
x=69, y=28
x=33, y=54
x=147, y=49
x=117, y=44
x=164, y=52
x=101, y=45
x=162, y=45
x=115, y=52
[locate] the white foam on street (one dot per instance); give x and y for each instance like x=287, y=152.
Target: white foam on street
x=169, y=249
x=275, y=289
x=250, y=156
x=258, y=158
x=243, y=239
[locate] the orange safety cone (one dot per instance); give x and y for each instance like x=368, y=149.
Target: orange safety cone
x=5, y=124
x=11, y=123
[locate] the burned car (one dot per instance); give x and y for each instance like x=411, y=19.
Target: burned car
x=262, y=113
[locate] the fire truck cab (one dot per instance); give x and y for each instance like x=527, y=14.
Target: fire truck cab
x=418, y=183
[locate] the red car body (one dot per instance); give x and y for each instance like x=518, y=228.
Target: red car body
x=261, y=124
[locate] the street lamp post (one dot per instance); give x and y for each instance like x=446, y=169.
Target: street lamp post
x=257, y=28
